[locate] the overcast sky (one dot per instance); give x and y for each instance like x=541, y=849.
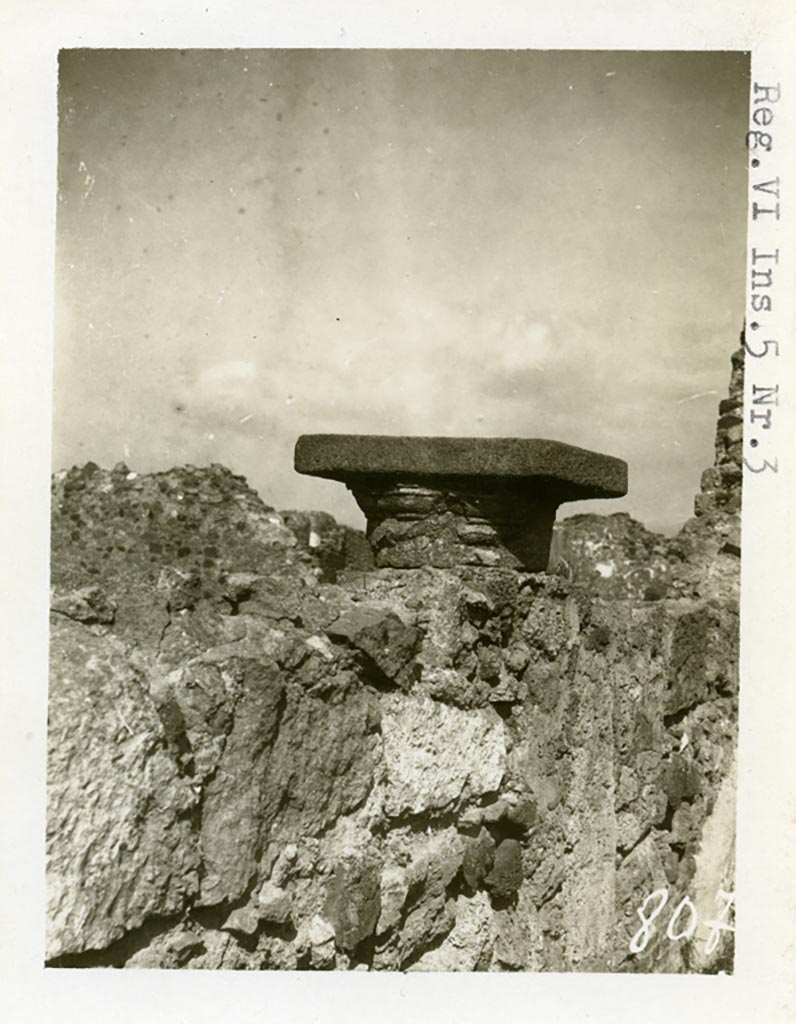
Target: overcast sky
x=255, y=245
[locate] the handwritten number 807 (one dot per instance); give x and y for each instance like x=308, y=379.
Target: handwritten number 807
x=682, y=923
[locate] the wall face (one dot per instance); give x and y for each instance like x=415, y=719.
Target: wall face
x=264, y=754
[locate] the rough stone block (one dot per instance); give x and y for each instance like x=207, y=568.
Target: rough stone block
x=437, y=756
x=383, y=637
x=478, y=858
x=353, y=900
x=506, y=875
x=120, y=847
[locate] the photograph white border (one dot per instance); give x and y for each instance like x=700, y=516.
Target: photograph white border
x=763, y=986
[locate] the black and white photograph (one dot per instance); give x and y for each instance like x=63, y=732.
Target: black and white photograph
x=397, y=538
x=397, y=453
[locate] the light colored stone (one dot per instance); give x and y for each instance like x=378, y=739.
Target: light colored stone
x=715, y=874
x=394, y=889
x=243, y=921
x=321, y=940
x=321, y=645
x=273, y=904
x=320, y=931
x=119, y=842
x=629, y=828
x=517, y=940
x=468, y=946
x=495, y=811
x=627, y=788
x=437, y=756
x=472, y=816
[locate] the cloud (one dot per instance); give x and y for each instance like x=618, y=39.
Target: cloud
x=225, y=394
x=521, y=350
x=524, y=341
x=231, y=373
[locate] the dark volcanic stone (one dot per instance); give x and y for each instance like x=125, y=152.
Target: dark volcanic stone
x=353, y=900
x=505, y=878
x=681, y=780
x=158, y=542
x=380, y=635
x=479, y=856
x=233, y=802
x=700, y=654
x=89, y=604
x=524, y=814
x=613, y=556
x=334, y=546
x=721, y=484
x=578, y=472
